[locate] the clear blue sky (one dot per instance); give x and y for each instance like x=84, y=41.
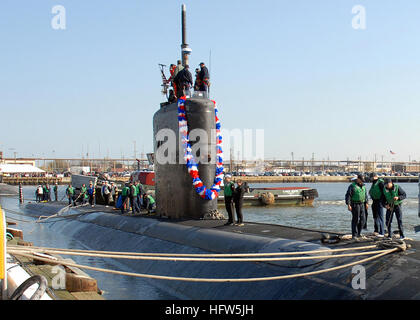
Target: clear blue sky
x=295, y=68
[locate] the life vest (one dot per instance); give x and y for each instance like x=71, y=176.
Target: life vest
x=390, y=194
x=70, y=190
x=151, y=200
x=124, y=191
x=134, y=191
x=359, y=193
x=83, y=191
x=139, y=188
x=375, y=191
x=228, y=189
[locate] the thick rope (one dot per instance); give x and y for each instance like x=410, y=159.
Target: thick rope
x=261, y=254
x=200, y=259
x=151, y=276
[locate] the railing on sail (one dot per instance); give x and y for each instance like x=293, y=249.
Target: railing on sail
x=165, y=82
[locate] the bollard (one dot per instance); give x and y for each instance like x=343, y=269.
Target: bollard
x=20, y=193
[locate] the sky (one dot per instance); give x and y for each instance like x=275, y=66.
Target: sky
x=297, y=69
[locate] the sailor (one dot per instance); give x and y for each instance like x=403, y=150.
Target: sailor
x=204, y=77
x=125, y=192
x=139, y=198
x=150, y=203
x=70, y=194
x=178, y=68
x=183, y=82
x=92, y=193
x=197, y=83
x=106, y=193
x=376, y=193
x=228, y=195
x=171, y=97
x=114, y=193
x=172, y=68
x=48, y=193
x=393, y=197
x=83, y=194
x=133, y=198
x=55, y=188
x=238, y=199
x=39, y=193
x=357, y=204
x=44, y=193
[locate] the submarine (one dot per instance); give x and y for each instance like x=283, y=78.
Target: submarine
x=315, y=264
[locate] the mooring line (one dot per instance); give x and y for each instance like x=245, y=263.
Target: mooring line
x=173, y=258
x=260, y=254
x=217, y=280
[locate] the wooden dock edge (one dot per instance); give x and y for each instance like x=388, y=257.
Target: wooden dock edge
x=78, y=284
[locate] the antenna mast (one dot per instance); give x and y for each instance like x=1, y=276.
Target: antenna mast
x=185, y=49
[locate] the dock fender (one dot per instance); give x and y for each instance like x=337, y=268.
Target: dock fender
x=287, y=245
x=36, y=279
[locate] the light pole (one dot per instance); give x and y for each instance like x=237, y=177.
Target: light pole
x=53, y=162
x=292, y=158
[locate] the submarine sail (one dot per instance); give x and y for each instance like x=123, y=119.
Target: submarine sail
x=176, y=196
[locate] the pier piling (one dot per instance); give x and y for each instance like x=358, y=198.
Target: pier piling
x=20, y=193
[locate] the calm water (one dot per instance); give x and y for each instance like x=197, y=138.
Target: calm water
x=328, y=213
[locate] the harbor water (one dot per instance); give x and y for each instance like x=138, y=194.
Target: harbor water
x=329, y=213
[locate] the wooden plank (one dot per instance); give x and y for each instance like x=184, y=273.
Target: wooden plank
x=24, y=243
x=79, y=283
x=15, y=232
x=45, y=270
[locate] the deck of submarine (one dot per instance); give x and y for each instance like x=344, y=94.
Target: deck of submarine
x=252, y=228
x=396, y=274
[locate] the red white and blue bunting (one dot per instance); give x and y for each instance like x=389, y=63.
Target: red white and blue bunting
x=200, y=188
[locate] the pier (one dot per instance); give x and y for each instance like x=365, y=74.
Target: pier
x=34, y=181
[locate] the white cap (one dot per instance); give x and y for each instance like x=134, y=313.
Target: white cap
x=228, y=176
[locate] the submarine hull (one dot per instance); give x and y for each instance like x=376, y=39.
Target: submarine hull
x=175, y=194
x=393, y=276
